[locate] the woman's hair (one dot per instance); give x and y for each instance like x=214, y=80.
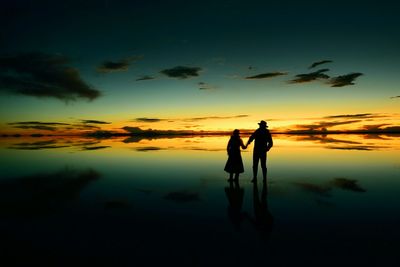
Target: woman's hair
x=235, y=132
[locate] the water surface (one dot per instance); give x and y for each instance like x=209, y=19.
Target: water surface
x=328, y=200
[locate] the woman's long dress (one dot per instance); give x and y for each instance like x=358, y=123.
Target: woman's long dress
x=234, y=163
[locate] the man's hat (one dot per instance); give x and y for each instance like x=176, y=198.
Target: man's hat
x=263, y=123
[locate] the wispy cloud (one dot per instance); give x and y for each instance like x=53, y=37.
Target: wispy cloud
x=145, y=119
x=319, y=63
x=117, y=66
x=49, y=144
x=94, y=122
x=266, y=75
x=215, y=118
x=393, y=97
x=355, y=116
x=43, y=75
x=323, y=125
x=145, y=78
x=344, y=80
x=206, y=86
x=181, y=72
x=192, y=119
x=347, y=184
x=310, y=77
x=37, y=125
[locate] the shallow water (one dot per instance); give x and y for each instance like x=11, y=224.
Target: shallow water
x=328, y=200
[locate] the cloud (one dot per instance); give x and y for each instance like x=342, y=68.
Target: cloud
x=43, y=75
x=37, y=125
x=323, y=125
x=86, y=148
x=322, y=190
x=310, y=77
x=215, y=118
x=183, y=196
x=148, y=148
x=37, y=145
x=319, y=63
x=43, y=193
x=393, y=97
x=145, y=78
x=206, y=86
x=344, y=80
x=117, y=66
x=354, y=116
x=181, y=72
x=94, y=122
x=144, y=119
x=357, y=148
x=347, y=184
x=266, y=75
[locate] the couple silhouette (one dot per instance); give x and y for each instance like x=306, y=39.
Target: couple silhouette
x=263, y=143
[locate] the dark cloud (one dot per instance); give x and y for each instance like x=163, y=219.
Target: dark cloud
x=357, y=148
x=113, y=66
x=183, y=196
x=319, y=63
x=310, y=77
x=206, y=86
x=42, y=194
x=322, y=190
x=266, y=75
x=48, y=144
x=344, y=80
x=347, y=184
x=94, y=122
x=145, y=78
x=215, y=118
x=323, y=125
x=83, y=127
x=117, y=66
x=43, y=75
x=144, y=119
x=86, y=148
x=324, y=139
x=154, y=132
x=354, y=116
x=325, y=188
x=397, y=96
x=37, y=125
x=148, y=148
x=181, y=72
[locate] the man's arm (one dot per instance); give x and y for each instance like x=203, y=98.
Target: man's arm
x=251, y=138
x=270, y=142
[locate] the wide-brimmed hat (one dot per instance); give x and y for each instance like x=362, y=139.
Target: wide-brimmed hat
x=263, y=123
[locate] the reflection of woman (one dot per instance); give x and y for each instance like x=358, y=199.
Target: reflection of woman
x=234, y=164
x=235, y=194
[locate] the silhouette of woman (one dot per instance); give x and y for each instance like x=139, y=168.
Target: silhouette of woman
x=234, y=164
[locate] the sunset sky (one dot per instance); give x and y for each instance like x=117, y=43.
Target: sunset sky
x=71, y=66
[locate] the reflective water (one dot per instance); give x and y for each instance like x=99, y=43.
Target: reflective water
x=328, y=200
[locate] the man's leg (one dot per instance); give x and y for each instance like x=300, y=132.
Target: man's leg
x=263, y=158
x=256, y=158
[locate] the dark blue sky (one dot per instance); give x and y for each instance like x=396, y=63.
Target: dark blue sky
x=226, y=40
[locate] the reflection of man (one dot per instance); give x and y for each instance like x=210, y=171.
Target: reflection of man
x=263, y=218
x=263, y=143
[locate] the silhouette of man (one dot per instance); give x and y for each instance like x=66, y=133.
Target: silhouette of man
x=263, y=143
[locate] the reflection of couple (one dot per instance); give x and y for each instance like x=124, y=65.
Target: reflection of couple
x=263, y=143
x=262, y=220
